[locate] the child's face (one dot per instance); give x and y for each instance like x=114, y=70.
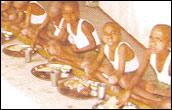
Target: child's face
x=70, y=13
x=5, y=5
x=109, y=36
x=54, y=10
x=158, y=41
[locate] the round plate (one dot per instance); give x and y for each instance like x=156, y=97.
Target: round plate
x=12, y=50
x=44, y=74
x=73, y=93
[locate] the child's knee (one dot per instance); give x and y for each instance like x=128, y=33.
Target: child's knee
x=124, y=82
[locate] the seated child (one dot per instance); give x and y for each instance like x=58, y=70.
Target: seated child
x=51, y=27
x=13, y=15
x=52, y=35
x=83, y=39
x=8, y=13
x=159, y=56
x=35, y=16
x=20, y=7
x=82, y=35
x=120, y=54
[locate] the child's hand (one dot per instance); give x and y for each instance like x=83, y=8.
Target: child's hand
x=124, y=99
x=88, y=68
x=113, y=79
x=25, y=31
x=52, y=59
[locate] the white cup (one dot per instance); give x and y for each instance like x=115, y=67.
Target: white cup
x=54, y=77
x=28, y=54
x=101, y=90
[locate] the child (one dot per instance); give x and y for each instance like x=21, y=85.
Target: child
x=119, y=54
x=13, y=15
x=8, y=13
x=82, y=35
x=159, y=56
x=52, y=35
x=50, y=28
x=35, y=16
x=20, y=7
x=83, y=39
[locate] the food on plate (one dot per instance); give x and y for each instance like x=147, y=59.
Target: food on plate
x=17, y=47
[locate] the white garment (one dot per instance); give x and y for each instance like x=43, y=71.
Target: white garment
x=129, y=65
x=163, y=75
x=38, y=19
x=58, y=28
x=80, y=40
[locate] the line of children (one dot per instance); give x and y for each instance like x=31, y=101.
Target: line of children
x=73, y=40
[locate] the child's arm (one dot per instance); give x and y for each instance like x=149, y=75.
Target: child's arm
x=36, y=9
x=28, y=17
x=44, y=24
x=135, y=79
x=125, y=53
x=122, y=56
x=100, y=56
x=97, y=63
x=87, y=30
x=62, y=36
x=35, y=36
x=141, y=70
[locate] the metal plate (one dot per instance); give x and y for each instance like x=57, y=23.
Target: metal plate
x=73, y=93
x=43, y=71
x=13, y=51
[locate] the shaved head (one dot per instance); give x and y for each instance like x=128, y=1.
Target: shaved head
x=162, y=30
x=111, y=27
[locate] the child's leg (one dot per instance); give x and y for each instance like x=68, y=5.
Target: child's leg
x=141, y=92
x=55, y=48
x=158, y=88
x=98, y=76
x=139, y=89
x=154, y=104
x=106, y=68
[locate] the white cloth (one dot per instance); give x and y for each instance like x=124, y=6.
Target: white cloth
x=163, y=75
x=80, y=40
x=129, y=65
x=38, y=19
x=58, y=28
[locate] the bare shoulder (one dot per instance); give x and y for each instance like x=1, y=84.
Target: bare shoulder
x=128, y=51
x=87, y=26
x=125, y=47
x=36, y=9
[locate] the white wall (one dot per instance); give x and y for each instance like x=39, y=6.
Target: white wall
x=138, y=17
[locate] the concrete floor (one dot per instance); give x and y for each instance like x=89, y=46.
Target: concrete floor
x=22, y=90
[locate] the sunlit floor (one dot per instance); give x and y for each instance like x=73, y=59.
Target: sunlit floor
x=20, y=89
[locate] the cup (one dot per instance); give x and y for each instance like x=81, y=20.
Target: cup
x=28, y=54
x=54, y=77
x=94, y=89
x=101, y=90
